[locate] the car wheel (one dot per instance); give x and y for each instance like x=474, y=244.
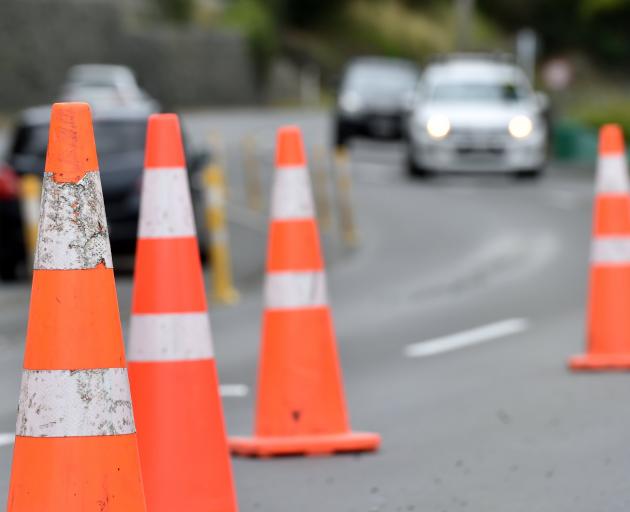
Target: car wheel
x=342, y=135
x=529, y=174
x=414, y=170
x=8, y=271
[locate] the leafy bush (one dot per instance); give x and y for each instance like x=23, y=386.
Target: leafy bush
x=256, y=20
x=595, y=113
x=179, y=11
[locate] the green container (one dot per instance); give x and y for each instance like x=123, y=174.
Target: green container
x=574, y=142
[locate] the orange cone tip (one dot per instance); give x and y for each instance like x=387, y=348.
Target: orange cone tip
x=290, y=150
x=71, y=148
x=611, y=140
x=164, y=144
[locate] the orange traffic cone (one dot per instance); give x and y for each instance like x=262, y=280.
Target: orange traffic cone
x=301, y=407
x=608, y=329
x=75, y=447
x=174, y=383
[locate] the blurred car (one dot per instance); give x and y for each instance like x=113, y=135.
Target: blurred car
x=374, y=97
x=105, y=86
x=477, y=113
x=120, y=137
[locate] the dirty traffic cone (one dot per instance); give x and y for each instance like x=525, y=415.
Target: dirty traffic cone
x=174, y=384
x=75, y=446
x=300, y=406
x=608, y=322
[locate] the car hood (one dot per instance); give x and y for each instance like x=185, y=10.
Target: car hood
x=488, y=115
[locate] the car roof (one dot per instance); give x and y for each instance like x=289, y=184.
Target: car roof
x=82, y=70
x=482, y=69
x=380, y=61
x=41, y=115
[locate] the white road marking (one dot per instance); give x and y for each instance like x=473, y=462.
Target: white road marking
x=6, y=438
x=233, y=390
x=467, y=338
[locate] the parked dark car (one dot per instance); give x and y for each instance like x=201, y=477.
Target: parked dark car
x=374, y=98
x=120, y=137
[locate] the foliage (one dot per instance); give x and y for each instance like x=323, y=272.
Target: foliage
x=597, y=112
x=392, y=29
x=179, y=11
x=306, y=13
x=256, y=20
x=598, y=27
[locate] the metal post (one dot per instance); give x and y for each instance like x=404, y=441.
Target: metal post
x=464, y=17
x=223, y=289
x=251, y=169
x=30, y=193
x=321, y=166
x=344, y=201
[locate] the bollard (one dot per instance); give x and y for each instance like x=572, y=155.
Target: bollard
x=30, y=198
x=251, y=168
x=321, y=166
x=220, y=155
x=223, y=290
x=344, y=201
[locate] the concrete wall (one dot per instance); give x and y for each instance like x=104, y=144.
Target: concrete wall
x=41, y=39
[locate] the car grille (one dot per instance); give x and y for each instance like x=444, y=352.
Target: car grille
x=479, y=141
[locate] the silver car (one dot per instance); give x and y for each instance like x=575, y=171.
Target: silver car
x=476, y=114
x=105, y=86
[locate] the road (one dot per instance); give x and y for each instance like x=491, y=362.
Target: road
x=497, y=423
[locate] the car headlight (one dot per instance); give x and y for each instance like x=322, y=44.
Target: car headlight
x=438, y=126
x=520, y=127
x=350, y=102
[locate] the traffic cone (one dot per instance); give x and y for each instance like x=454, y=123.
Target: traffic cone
x=174, y=383
x=75, y=446
x=300, y=406
x=608, y=322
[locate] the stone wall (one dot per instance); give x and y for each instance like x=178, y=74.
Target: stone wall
x=41, y=39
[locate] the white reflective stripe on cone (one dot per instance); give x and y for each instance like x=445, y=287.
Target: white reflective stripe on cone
x=612, y=174
x=166, y=209
x=294, y=290
x=170, y=337
x=291, y=196
x=611, y=251
x=72, y=226
x=68, y=403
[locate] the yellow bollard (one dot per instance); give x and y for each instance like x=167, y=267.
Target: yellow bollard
x=220, y=155
x=251, y=168
x=320, y=186
x=30, y=198
x=344, y=201
x=223, y=290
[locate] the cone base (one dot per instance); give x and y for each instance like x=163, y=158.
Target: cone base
x=600, y=362
x=327, y=444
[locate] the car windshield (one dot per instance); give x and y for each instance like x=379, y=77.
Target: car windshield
x=111, y=137
x=478, y=91
x=390, y=79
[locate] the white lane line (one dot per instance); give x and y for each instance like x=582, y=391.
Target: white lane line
x=6, y=438
x=467, y=338
x=233, y=390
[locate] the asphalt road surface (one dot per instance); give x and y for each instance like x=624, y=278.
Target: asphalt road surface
x=455, y=318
